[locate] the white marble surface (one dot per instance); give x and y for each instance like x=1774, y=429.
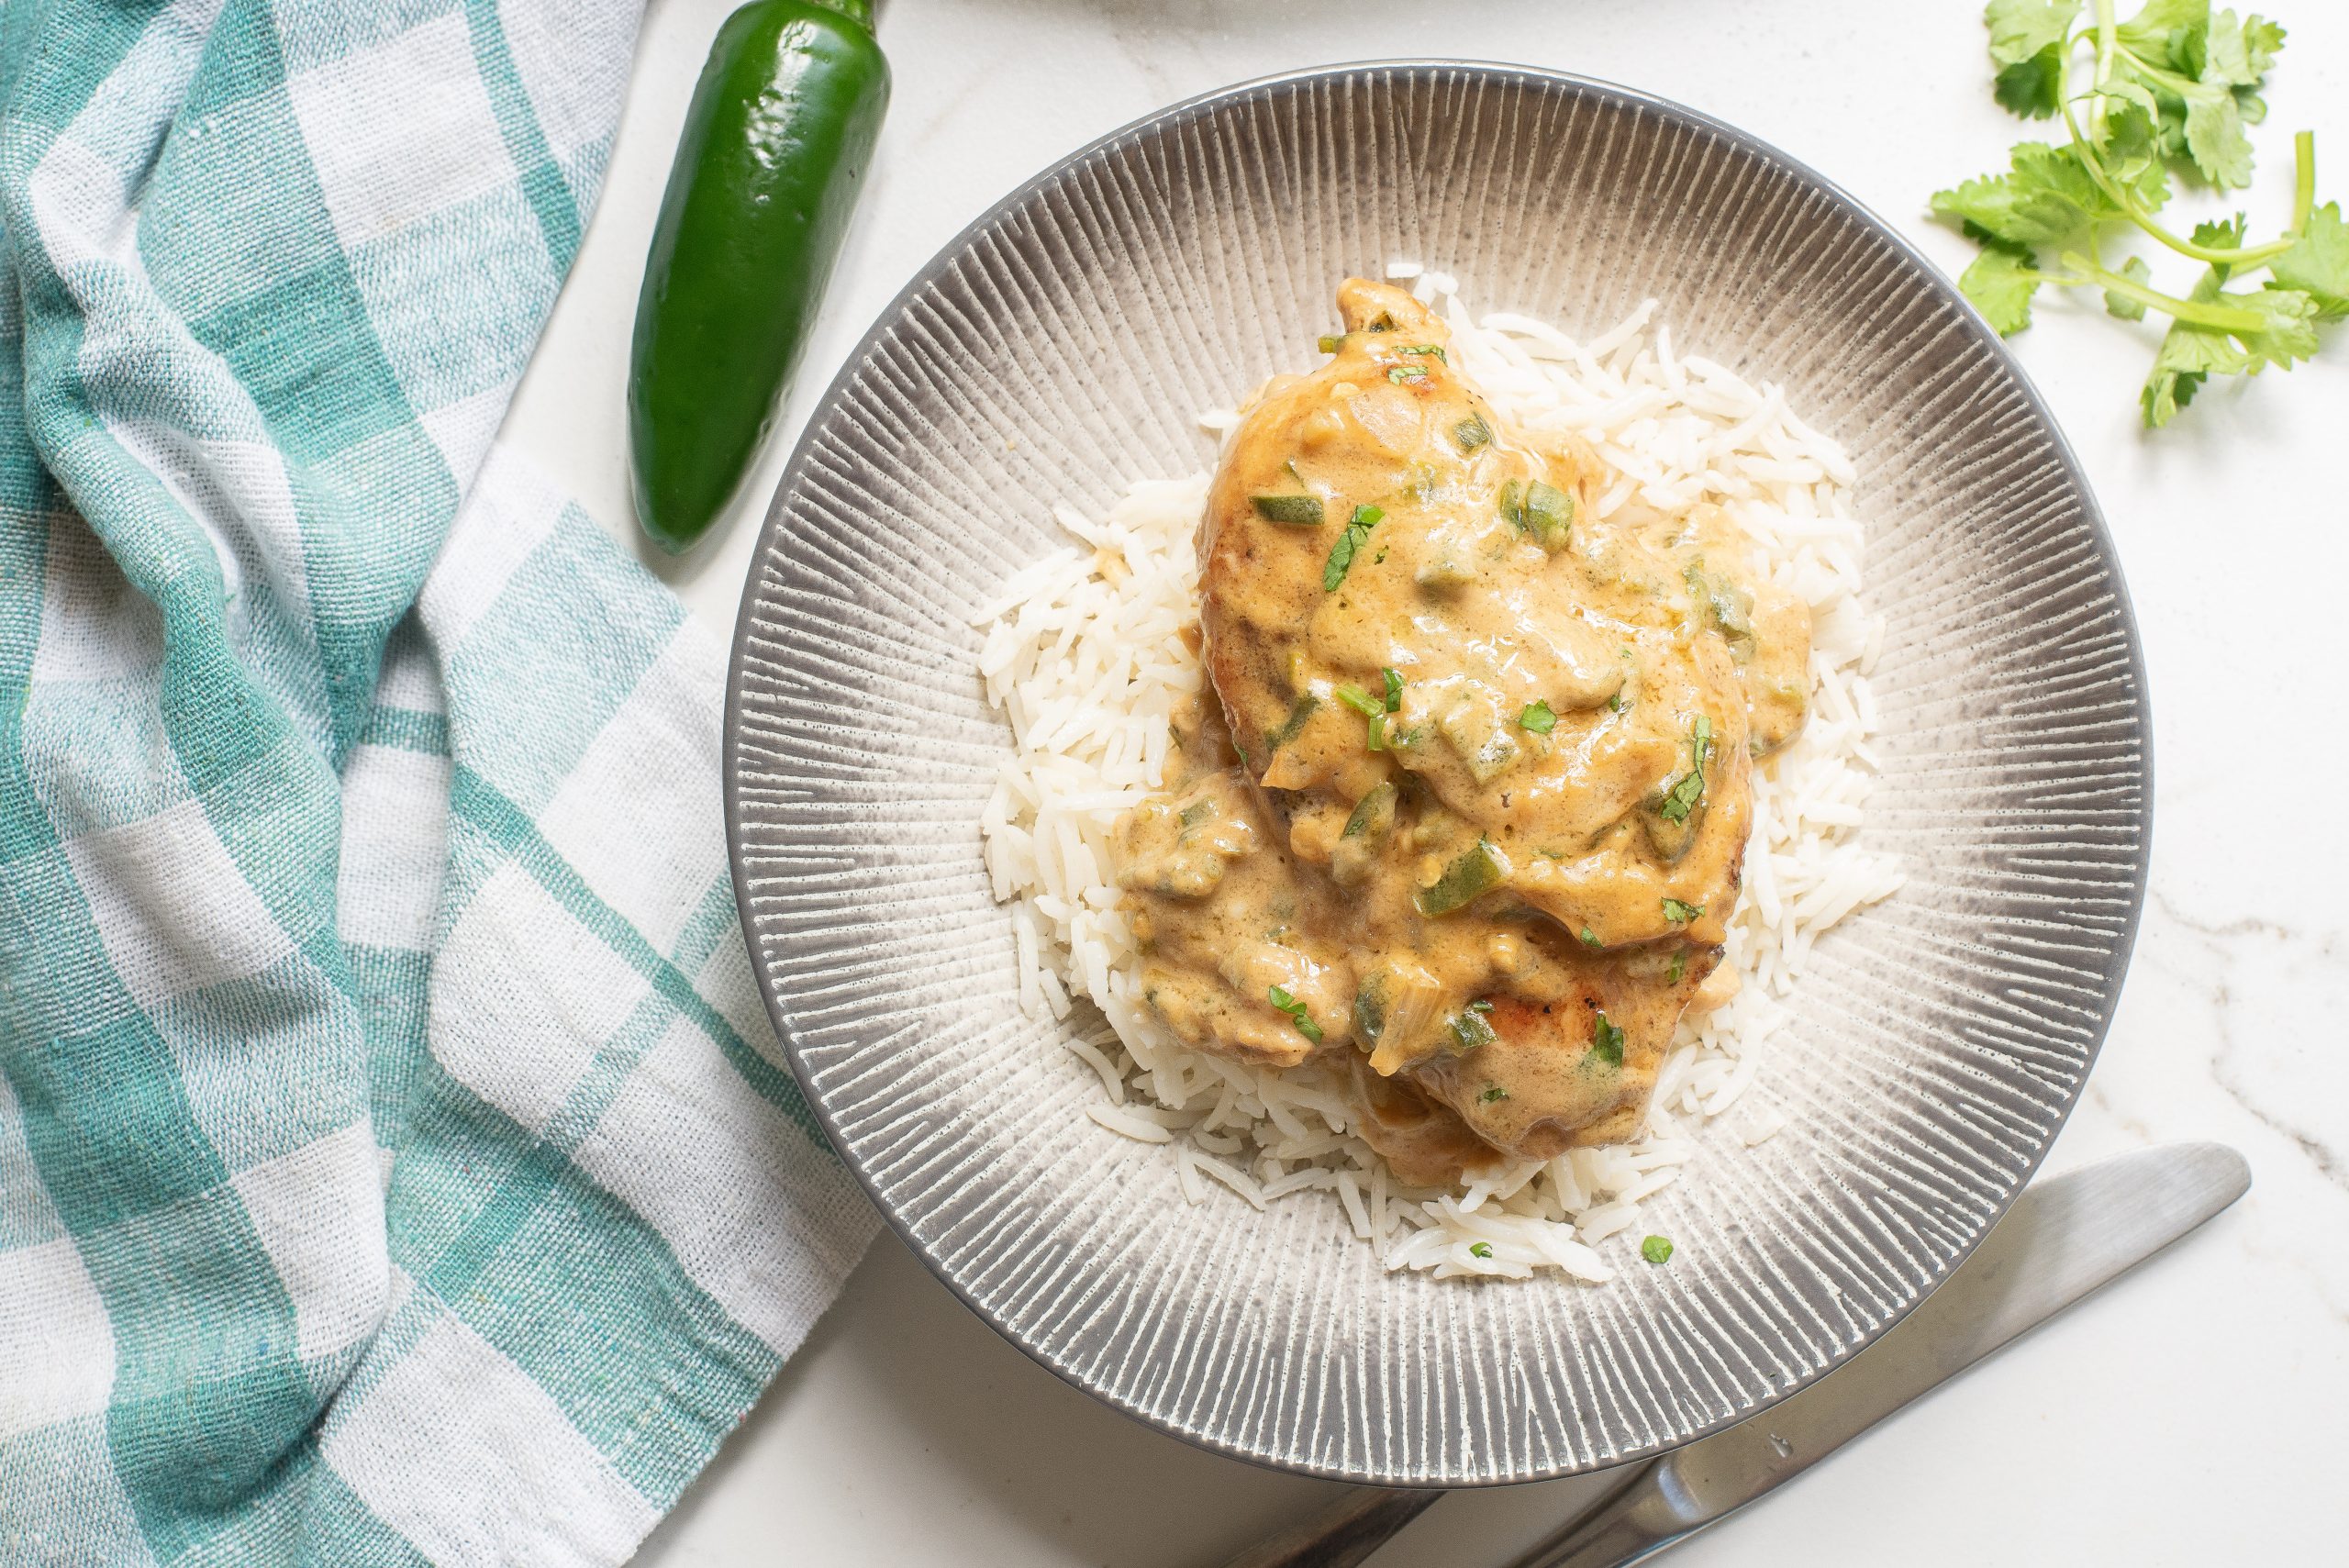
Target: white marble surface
x=2196, y=1414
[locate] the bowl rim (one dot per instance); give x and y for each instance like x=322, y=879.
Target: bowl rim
x=1207, y=104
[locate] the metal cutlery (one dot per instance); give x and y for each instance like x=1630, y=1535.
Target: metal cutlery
x=2065, y=1237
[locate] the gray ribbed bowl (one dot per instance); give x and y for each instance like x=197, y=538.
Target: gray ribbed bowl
x=1055, y=352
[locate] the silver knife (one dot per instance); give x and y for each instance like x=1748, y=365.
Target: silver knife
x=2065, y=1237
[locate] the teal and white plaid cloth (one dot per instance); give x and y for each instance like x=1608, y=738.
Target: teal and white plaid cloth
x=396, y=1163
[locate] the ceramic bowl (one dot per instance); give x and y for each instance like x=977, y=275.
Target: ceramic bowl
x=1056, y=351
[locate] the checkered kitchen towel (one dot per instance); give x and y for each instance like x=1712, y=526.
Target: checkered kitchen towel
x=395, y=1165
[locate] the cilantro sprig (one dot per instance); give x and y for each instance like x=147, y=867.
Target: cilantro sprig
x=2164, y=98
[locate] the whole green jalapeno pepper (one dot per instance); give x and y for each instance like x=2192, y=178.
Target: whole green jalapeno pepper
x=774, y=151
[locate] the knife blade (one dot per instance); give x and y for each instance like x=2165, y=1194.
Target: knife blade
x=2065, y=1237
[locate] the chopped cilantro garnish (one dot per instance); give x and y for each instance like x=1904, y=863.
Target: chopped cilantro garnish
x=1341, y=554
x=1679, y=967
x=1675, y=910
x=1682, y=797
x=1470, y=1030
x=1538, y=718
x=1590, y=938
x=1480, y=1249
x=1689, y=788
x=1281, y=999
x=1493, y=1092
x=1606, y=1040
x=1393, y=689
x=1471, y=433
x=1656, y=1250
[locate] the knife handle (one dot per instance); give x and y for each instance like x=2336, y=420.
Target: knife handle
x=1340, y=1535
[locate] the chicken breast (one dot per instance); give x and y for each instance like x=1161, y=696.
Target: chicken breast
x=1476, y=776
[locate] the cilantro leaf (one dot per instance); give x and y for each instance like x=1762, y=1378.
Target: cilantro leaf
x=2215, y=139
x=2045, y=197
x=2169, y=388
x=2222, y=236
x=2020, y=29
x=2126, y=306
x=2164, y=25
x=2192, y=351
x=1999, y=285
x=2131, y=113
x=1350, y=543
x=2032, y=88
x=1606, y=1040
x=2222, y=232
x=1682, y=797
x=1469, y=1032
x=2262, y=41
x=2288, y=334
x=2169, y=128
x=2027, y=45
x=2318, y=265
x=2238, y=53
x=2134, y=151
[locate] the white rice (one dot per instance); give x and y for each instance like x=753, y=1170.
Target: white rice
x=1085, y=657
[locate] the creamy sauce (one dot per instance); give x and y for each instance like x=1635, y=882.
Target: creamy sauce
x=1468, y=800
